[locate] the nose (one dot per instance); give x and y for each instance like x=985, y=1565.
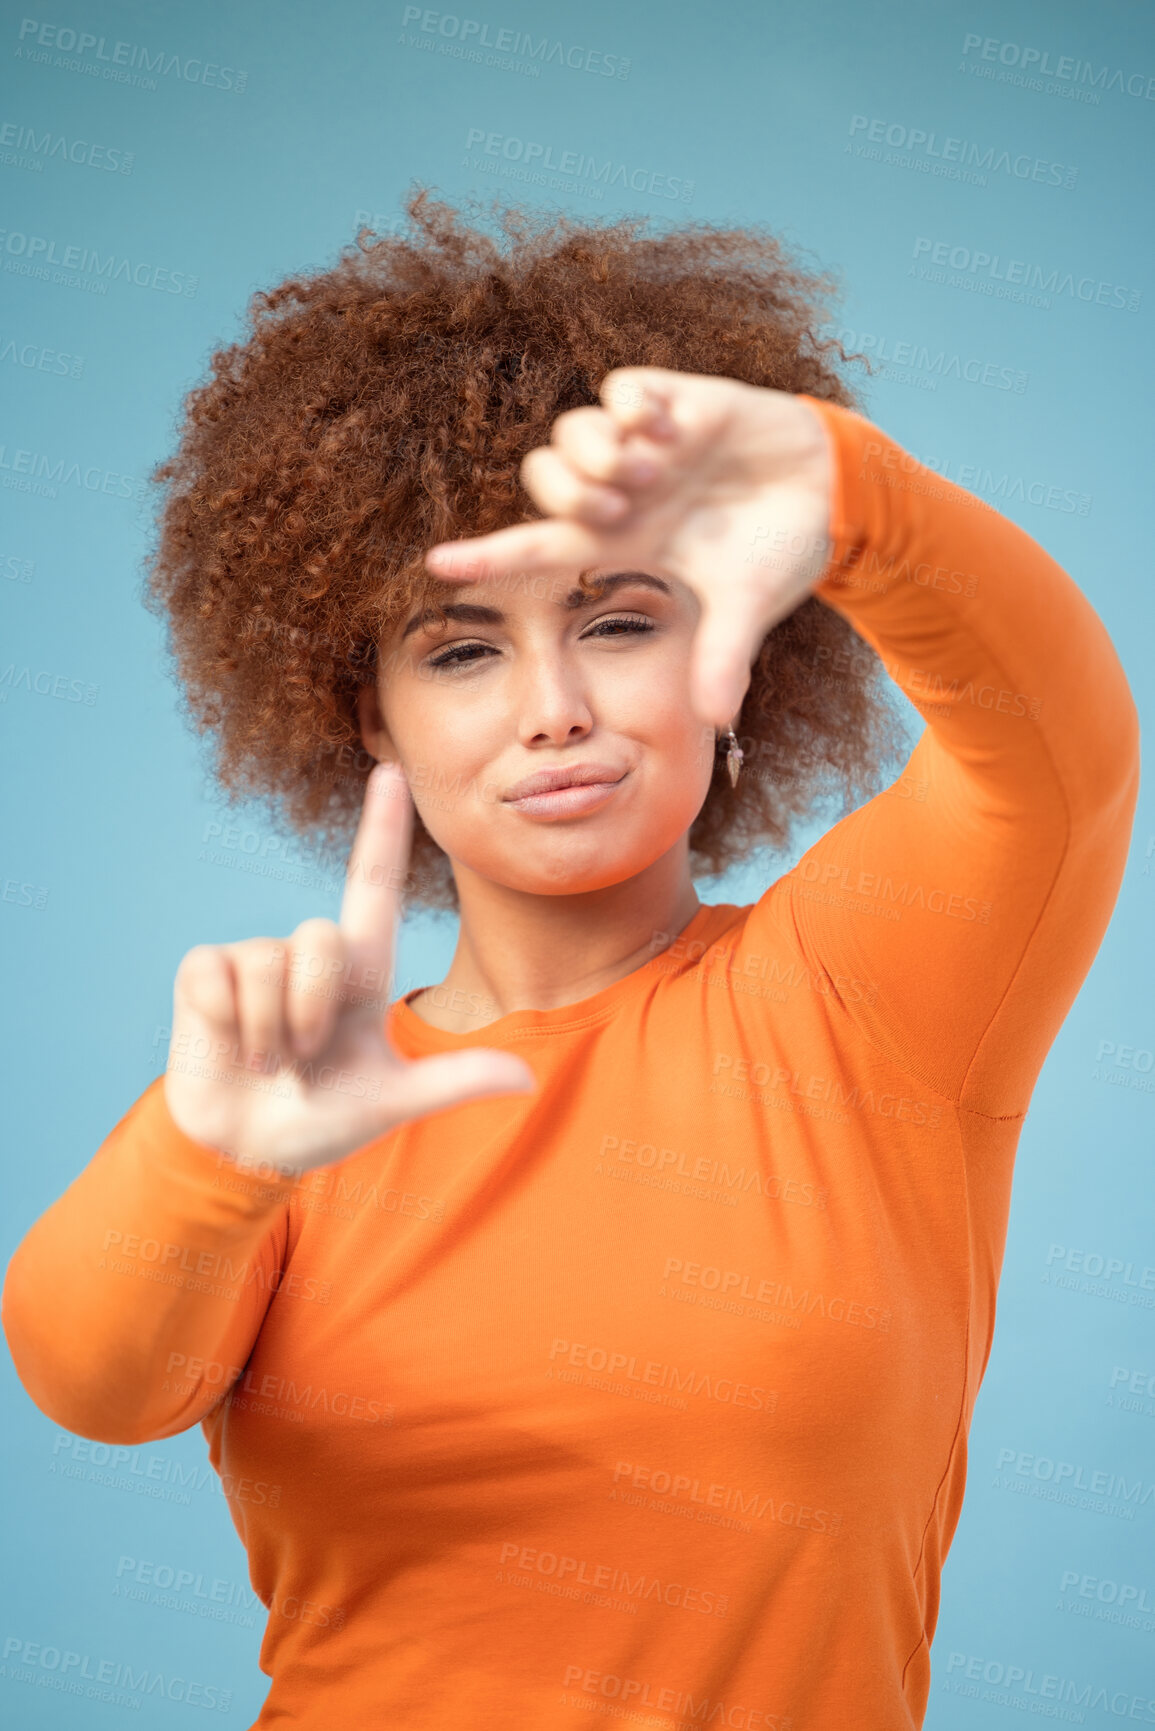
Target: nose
x=552, y=702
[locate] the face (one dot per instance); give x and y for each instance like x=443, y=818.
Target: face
x=532, y=677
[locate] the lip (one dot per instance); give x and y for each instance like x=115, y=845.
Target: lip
x=573, y=801
x=553, y=780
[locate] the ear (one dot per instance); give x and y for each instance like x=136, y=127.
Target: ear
x=374, y=733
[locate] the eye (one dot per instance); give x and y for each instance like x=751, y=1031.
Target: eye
x=621, y=623
x=458, y=655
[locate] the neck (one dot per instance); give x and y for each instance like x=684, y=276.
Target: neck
x=517, y=951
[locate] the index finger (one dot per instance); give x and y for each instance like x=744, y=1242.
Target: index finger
x=377, y=868
x=552, y=544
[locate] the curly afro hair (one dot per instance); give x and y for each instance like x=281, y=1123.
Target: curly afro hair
x=386, y=403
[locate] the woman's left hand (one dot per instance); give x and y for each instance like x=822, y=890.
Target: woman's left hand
x=722, y=485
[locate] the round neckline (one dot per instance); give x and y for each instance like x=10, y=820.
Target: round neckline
x=414, y=1035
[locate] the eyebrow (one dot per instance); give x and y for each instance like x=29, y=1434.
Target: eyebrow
x=476, y=613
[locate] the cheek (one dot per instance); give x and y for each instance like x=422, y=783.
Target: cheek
x=448, y=756
x=436, y=738
x=452, y=747
x=659, y=716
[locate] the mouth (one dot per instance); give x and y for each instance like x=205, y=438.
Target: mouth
x=566, y=792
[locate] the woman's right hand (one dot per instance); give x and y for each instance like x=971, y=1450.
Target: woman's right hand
x=279, y=1052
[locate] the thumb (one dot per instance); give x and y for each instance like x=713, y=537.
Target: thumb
x=453, y=1078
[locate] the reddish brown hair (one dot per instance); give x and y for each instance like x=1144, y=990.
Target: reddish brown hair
x=386, y=403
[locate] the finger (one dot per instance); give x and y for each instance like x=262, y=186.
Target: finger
x=556, y=486
x=725, y=644
x=378, y=865
x=314, y=991
x=259, y=968
x=641, y=399
x=526, y=549
x=594, y=445
x=204, y=988
x=453, y=1078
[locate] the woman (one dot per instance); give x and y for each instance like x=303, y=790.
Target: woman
x=599, y=1330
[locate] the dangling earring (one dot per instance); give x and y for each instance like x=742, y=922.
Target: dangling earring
x=734, y=756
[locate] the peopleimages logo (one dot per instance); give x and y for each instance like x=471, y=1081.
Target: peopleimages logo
x=474, y=33
x=41, y=473
x=83, y=267
x=1003, y=1675
x=1032, y=65
x=934, y=152
x=1014, y=278
x=899, y=357
x=72, y=50
x=540, y=157
x=24, y=147
x=39, y=358
x=102, y=1679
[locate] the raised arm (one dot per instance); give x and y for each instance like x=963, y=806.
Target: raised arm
x=975, y=905
x=975, y=893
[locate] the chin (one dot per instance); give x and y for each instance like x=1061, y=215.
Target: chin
x=561, y=876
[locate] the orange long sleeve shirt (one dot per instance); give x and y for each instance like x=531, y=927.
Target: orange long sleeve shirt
x=646, y=1396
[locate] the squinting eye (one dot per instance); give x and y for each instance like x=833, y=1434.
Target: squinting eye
x=622, y=624
x=457, y=656
x=466, y=654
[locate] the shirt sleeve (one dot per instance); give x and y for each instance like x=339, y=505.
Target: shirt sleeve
x=135, y=1299
x=967, y=901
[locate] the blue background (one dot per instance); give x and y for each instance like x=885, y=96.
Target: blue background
x=762, y=113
